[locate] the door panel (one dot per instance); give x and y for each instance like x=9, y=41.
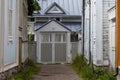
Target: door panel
x=60, y=52
x=46, y=52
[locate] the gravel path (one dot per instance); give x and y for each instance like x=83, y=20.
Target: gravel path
x=56, y=72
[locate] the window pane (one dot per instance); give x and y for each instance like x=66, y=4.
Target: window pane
x=64, y=38
x=58, y=37
x=46, y=37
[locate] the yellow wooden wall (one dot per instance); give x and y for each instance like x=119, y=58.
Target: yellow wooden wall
x=118, y=33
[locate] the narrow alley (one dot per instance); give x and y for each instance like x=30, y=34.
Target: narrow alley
x=59, y=39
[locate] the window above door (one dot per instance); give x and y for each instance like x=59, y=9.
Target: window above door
x=46, y=37
x=59, y=37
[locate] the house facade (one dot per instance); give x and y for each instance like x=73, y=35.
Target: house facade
x=57, y=29
x=22, y=30
x=10, y=21
x=96, y=32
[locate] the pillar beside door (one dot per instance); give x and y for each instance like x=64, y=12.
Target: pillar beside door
x=68, y=54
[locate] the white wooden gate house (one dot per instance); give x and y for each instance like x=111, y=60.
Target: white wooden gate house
x=53, y=43
x=57, y=30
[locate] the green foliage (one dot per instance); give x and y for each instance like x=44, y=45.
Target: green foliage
x=88, y=72
x=33, y=5
x=27, y=72
x=79, y=61
x=30, y=37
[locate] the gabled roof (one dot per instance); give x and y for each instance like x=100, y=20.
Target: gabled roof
x=56, y=22
x=55, y=9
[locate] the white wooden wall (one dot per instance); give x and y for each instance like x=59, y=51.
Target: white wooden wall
x=96, y=23
x=107, y=4
x=86, y=32
x=99, y=30
x=1, y=42
x=112, y=27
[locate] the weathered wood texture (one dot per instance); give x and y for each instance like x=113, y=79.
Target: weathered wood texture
x=118, y=33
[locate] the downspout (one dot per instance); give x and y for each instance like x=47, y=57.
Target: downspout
x=116, y=72
x=90, y=32
x=83, y=25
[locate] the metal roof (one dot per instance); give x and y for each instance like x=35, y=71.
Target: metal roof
x=71, y=7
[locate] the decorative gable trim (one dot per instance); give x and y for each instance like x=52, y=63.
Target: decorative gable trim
x=56, y=22
x=55, y=9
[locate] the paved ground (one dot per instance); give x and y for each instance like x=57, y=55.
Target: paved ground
x=56, y=72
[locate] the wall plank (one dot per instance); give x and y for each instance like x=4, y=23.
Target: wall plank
x=118, y=33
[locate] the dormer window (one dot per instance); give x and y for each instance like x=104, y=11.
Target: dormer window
x=55, y=9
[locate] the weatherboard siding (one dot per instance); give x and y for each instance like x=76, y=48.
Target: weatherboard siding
x=107, y=4
x=118, y=34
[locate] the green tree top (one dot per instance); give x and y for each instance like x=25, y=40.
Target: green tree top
x=33, y=5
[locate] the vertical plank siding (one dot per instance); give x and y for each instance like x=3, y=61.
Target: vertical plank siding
x=99, y=33
x=107, y=4
x=0, y=38
x=60, y=52
x=46, y=52
x=74, y=49
x=112, y=36
x=10, y=46
x=24, y=51
x=32, y=51
x=118, y=33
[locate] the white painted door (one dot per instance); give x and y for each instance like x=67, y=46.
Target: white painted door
x=53, y=47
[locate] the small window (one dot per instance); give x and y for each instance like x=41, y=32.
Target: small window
x=58, y=19
x=46, y=37
x=32, y=19
x=74, y=37
x=55, y=9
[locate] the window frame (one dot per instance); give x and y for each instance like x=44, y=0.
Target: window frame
x=62, y=38
x=45, y=36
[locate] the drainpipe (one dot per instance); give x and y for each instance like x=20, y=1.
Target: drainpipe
x=90, y=32
x=83, y=25
x=116, y=72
